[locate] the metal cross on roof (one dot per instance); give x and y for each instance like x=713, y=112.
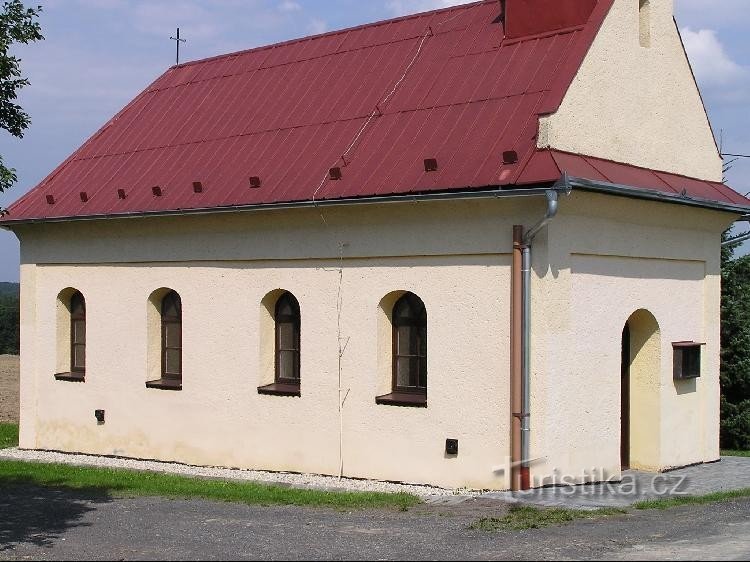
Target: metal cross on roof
x=178, y=40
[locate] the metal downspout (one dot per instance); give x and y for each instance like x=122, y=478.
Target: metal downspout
x=516, y=355
x=525, y=369
x=525, y=414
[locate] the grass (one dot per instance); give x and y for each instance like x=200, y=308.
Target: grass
x=129, y=483
x=521, y=518
x=677, y=501
x=8, y=435
x=735, y=453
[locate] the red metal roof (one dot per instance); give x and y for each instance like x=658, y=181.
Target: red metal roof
x=375, y=101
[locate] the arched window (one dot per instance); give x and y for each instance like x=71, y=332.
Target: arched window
x=77, y=334
x=71, y=336
x=287, y=341
x=171, y=337
x=410, y=345
x=409, y=321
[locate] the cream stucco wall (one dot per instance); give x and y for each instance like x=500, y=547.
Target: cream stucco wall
x=600, y=261
x=222, y=268
x=634, y=104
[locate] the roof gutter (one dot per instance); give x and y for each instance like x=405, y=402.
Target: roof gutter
x=490, y=193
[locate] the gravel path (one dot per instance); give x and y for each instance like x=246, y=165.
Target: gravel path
x=286, y=479
x=9, y=367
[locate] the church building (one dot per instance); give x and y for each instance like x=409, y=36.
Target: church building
x=477, y=247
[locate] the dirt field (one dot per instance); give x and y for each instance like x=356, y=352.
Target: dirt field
x=8, y=388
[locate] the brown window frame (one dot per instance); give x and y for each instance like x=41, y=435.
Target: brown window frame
x=77, y=315
x=168, y=381
x=296, y=321
x=166, y=321
x=414, y=396
x=687, y=360
x=285, y=386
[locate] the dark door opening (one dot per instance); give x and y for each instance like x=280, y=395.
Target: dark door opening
x=625, y=405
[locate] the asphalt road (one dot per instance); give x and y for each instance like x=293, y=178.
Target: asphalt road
x=47, y=524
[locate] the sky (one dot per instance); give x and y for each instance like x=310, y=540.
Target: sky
x=99, y=54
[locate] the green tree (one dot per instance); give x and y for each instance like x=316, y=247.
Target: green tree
x=18, y=24
x=9, y=325
x=735, y=354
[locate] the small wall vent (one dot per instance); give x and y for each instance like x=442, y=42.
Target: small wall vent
x=451, y=447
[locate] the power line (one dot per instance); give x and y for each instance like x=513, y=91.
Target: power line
x=737, y=155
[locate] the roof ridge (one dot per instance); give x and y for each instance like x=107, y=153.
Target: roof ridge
x=191, y=81
x=459, y=7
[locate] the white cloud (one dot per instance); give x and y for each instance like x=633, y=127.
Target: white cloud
x=317, y=26
x=404, y=7
x=711, y=63
x=289, y=6
x=161, y=18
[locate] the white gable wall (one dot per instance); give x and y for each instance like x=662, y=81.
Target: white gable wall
x=634, y=104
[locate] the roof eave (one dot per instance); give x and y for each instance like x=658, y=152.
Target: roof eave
x=490, y=192
x=654, y=195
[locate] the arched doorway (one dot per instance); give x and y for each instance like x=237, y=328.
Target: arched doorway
x=640, y=394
